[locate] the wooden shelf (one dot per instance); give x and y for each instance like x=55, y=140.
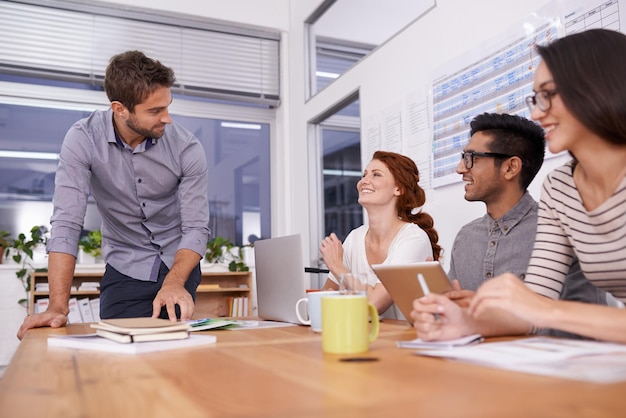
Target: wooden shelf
x=213, y=298
x=221, y=287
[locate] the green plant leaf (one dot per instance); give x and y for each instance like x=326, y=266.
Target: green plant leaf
x=92, y=243
x=23, y=252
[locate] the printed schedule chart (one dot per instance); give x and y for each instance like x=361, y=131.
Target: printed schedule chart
x=501, y=80
x=497, y=83
x=604, y=15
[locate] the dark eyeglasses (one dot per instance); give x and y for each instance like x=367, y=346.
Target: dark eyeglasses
x=542, y=99
x=468, y=157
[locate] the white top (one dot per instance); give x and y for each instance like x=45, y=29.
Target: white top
x=410, y=245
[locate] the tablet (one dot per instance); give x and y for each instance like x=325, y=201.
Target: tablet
x=401, y=282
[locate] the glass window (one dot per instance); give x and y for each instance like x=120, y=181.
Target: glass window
x=334, y=187
x=239, y=175
x=237, y=154
x=342, y=172
x=30, y=141
x=333, y=58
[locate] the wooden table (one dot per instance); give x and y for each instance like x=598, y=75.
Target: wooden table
x=282, y=372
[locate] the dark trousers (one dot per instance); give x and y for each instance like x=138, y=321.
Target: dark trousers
x=122, y=296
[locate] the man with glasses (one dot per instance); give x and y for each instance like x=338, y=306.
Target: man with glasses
x=503, y=156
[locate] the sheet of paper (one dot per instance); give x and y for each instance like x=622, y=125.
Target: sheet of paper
x=558, y=357
x=254, y=324
x=458, y=342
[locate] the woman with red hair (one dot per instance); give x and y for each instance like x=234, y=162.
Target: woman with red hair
x=397, y=231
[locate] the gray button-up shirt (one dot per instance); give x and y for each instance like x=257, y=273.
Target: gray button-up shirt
x=153, y=200
x=487, y=247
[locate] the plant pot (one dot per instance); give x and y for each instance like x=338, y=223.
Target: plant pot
x=215, y=267
x=84, y=258
x=9, y=257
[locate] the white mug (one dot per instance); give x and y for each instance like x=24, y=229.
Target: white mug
x=313, y=303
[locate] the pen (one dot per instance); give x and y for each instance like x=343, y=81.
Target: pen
x=425, y=290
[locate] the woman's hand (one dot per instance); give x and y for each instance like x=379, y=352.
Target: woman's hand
x=332, y=252
x=509, y=294
x=438, y=318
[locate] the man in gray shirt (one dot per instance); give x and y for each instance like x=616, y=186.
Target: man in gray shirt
x=149, y=179
x=503, y=156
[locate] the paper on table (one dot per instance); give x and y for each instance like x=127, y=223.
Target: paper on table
x=94, y=342
x=211, y=323
x=257, y=324
x=233, y=324
x=592, y=361
x=447, y=344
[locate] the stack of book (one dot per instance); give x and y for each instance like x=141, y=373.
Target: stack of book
x=42, y=287
x=129, y=330
x=89, y=287
x=238, y=306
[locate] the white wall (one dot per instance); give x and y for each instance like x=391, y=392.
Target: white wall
x=405, y=64
x=12, y=314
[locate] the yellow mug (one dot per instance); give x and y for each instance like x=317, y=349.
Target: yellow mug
x=345, y=323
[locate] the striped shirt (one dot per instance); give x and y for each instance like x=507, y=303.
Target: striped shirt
x=566, y=231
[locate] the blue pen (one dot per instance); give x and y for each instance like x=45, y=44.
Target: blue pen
x=425, y=290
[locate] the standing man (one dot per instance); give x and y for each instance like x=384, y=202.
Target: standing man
x=149, y=179
x=503, y=156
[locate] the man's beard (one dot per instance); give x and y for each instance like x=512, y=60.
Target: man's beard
x=147, y=133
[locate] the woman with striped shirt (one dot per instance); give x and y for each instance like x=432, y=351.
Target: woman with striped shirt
x=580, y=101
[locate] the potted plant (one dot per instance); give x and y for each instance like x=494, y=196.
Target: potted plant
x=237, y=263
x=23, y=252
x=91, y=244
x=220, y=250
x=5, y=243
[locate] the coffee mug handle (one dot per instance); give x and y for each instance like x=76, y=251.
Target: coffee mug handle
x=304, y=321
x=375, y=322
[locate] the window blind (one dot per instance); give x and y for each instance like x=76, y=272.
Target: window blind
x=76, y=46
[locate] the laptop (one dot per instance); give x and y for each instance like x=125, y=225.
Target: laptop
x=279, y=277
x=401, y=282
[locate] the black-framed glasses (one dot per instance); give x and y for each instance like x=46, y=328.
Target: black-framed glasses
x=468, y=157
x=542, y=99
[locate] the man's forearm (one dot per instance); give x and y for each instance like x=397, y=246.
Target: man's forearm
x=184, y=262
x=60, y=276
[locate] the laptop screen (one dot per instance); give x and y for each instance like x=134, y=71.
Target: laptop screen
x=279, y=277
